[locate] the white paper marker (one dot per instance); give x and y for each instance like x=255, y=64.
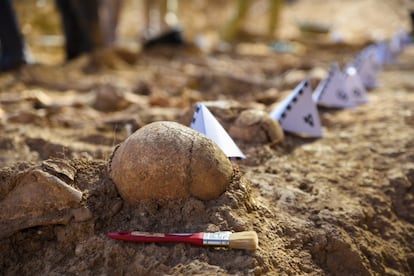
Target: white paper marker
x=384, y=54
x=331, y=91
x=298, y=112
x=205, y=122
x=367, y=66
x=396, y=43
x=388, y=50
x=405, y=38
x=354, y=86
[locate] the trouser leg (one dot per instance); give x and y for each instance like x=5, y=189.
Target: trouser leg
x=275, y=12
x=11, y=40
x=80, y=22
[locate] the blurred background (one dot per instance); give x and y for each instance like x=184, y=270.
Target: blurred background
x=352, y=21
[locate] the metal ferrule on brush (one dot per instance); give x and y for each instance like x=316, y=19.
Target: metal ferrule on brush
x=217, y=238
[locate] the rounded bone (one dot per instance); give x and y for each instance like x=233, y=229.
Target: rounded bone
x=166, y=160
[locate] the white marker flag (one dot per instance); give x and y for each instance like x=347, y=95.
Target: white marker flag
x=298, y=112
x=367, y=66
x=205, y=122
x=354, y=86
x=331, y=91
x=384, y=54
x=388, y=50
x=397, y=42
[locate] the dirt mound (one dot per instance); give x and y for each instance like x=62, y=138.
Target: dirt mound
x=339, y=205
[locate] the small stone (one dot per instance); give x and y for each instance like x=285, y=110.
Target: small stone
x=38, y=198
x=293, y=77
x=82, y=214
x=116, y=207
x=109, y=98
x=256, y=126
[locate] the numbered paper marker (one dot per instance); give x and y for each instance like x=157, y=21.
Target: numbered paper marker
x=331, y=92
x=368, y=66
x=205, y=122
x=398, y=42
x=388, y=50
x=354, y=86
x=384, y=54
x=298, y=112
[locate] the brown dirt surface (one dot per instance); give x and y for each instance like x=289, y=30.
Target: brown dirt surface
x=339, y=205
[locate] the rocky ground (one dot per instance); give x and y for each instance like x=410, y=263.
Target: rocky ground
x=339, y=205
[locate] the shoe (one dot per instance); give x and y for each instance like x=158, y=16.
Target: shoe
x=173, y=37
x=8, y=63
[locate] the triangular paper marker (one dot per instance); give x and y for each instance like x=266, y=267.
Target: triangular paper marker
x=388, y=50
x=384, y=55
x=298, y=112
x=205, y=122
x=396, y=43
x=405, y=38
x=355, y=87
x=367, y=67
x=331, y=92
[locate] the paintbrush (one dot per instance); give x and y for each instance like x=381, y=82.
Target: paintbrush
x=238, y=240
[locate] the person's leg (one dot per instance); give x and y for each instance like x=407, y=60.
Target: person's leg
x=11, y=41
x=163, y=10
x=275, y=12
x=74, y=41
x=232, y=29
x=88, y=17
x=164, y=33
x=153, y=18
x=109, y=11
x=81, y=27
x=171, y=17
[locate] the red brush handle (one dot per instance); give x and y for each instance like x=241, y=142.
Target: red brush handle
x=135, y=236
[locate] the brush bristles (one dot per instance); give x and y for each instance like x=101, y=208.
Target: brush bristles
x=244, y=240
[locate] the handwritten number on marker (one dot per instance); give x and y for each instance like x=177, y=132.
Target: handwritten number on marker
x=342, y=95
x=308, y=119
